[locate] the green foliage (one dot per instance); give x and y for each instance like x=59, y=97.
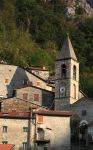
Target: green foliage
x=83, y=42
x=86, y=83
x=45, y=21
x=80, y=10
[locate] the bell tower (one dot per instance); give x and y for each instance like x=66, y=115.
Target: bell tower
x=66, y=76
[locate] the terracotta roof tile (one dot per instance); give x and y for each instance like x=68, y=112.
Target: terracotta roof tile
x=15, y=114
x=6, y=146
x=53, y=113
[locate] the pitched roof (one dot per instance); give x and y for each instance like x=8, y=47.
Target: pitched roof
x=14, y=114
x=83, y=101
x=67, y=50
x=52, y=113
x=6, y=146
x=37, y=69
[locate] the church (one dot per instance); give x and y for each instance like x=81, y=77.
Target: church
x=67, y=93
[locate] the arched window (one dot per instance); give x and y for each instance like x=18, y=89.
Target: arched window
x=74, y=91
x=63, y=71
x=74, y=72
x=41, y=134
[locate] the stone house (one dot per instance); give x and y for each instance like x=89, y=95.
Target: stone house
x=14, y=129
x=83, y=108
x=40, y=130
x=27, y=96
x=52, y=130
x=13, y=77
x=36, y=95
x=42, y=72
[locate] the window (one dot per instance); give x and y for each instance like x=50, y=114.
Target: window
x=24, y=145
x=36, y=97
x=25, y=129
x=63, y=71
x=45, y=148
x=4, y=142
x=74, y=91
x=84, y=112
x=25, y=82
x=38, y=83
x=6, y=80
x=74, y=72
x=25, y=96
x=40, y=119
x=37, y=73
x=4, y=129
x=41, y=133
x=14, y=93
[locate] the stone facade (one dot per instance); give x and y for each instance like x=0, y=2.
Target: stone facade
x=36, y=95
x=13, y=77
x=59, y=133
x=56, y=131
x=67, y=77
x=14, y=131
x=27, y=97
x=14, y=104
x=41, y=72
x=82, y=105
x=49, y=130
x=83, y=108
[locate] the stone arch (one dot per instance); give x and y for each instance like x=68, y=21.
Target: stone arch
x=41, y=133
x=83, y=132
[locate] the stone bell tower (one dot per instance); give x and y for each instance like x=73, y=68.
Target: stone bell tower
x=67, y=76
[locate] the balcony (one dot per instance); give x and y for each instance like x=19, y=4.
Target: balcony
x=42, y=141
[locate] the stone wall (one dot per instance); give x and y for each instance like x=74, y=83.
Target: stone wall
x=13, y=77
x=44, y=74
x=26, y=98
x=37, y=96
x=57, y=130
x=69, y=95
x=15, y=134
x=15, y=104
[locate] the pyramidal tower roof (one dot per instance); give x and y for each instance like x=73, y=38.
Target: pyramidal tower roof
x=67, y=50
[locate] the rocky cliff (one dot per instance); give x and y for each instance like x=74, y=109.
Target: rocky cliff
x=74, y=5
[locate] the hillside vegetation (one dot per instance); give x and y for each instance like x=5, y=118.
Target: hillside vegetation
x=32, y=33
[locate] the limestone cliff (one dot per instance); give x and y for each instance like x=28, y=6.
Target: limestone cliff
x=73, y=5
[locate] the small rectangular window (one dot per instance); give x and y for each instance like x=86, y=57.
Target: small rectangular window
x=84, y=112
x=24, y=145
x=45, y=148
x=4, y=129
x=25, y=129
x=6, y=80
x=25, y=96
x=38, y=83
x=4, y=142
x=40, y=119
x=36, y=97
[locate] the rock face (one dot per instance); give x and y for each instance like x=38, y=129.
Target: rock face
x=73, y=5
x=90, y=2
